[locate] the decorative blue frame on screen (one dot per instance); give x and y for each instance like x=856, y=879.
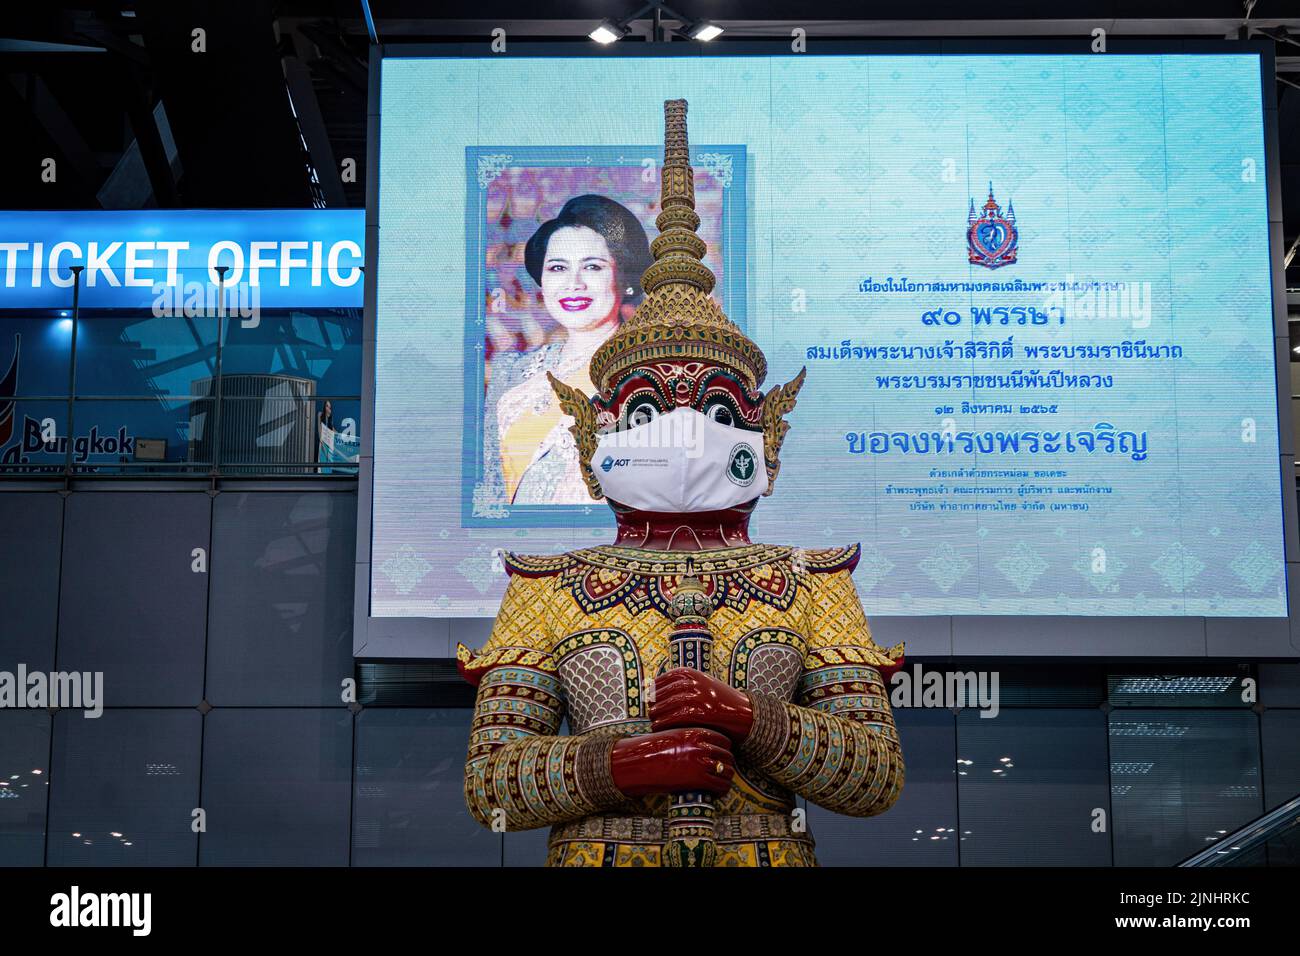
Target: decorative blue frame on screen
x=735, y=217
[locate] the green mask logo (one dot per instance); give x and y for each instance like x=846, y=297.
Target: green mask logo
x=741, y=465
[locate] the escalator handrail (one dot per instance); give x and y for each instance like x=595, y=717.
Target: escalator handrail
x=1249, y=836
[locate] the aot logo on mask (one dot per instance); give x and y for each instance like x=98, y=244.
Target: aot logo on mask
x=679, y=462
x=612, y=462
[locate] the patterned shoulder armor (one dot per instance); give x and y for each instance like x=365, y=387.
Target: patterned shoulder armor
x=535, y=565
x=885, y=659
x=474, y=664
x=824, y=560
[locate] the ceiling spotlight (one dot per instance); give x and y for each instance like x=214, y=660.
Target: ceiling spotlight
x=704, y=31
x=608, y=32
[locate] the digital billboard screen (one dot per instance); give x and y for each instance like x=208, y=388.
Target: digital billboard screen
x=1032, y=292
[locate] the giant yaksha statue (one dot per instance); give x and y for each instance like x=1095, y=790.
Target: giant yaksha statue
x=706, y=679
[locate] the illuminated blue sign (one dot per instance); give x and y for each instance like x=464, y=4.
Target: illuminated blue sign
x=132, y=259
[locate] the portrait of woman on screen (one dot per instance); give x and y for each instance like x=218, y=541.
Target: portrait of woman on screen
x=586, y=264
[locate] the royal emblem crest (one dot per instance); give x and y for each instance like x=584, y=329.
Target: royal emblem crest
x=991, y=237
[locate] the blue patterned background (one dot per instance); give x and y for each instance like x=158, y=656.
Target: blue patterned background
x=1134, y=169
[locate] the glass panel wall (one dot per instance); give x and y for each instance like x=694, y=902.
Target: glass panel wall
x=127, y=392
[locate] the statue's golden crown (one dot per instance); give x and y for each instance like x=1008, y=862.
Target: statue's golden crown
x=678, y=319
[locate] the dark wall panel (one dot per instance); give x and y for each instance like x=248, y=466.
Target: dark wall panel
x=281, y=612
x=124, y=788
x=277, y=787
x=130, y=605
x=31, y=526
x=24, y=781
x=409, y=807
x=1180, y=780
x=1280, y=739
x=525, y=847
x=1279, y=684
x=1030, y=785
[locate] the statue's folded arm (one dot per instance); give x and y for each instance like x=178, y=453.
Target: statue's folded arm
x=836, y=744
x=519, y=774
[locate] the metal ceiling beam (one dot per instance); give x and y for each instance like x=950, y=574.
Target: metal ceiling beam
x=148, y=138
x=780, y=10
x=314, y=132
x=398, y=30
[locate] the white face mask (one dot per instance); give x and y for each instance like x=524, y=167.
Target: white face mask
x=681, y=462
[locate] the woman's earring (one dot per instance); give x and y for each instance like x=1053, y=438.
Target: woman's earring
x=631, y=291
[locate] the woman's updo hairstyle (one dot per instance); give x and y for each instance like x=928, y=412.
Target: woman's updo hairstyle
x=621, y=230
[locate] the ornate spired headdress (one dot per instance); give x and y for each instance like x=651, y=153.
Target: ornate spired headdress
x=678, y=318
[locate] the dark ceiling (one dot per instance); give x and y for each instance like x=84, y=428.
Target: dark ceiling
x=266, y=116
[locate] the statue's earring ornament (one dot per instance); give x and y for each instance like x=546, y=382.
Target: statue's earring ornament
x=576, y=405
x=778, y=403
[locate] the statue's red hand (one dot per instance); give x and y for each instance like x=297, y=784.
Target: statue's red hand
x=691, y=698
x=674, y=761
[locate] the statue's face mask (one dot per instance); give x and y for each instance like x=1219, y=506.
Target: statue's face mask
x=679, y=463
x=718, y=441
